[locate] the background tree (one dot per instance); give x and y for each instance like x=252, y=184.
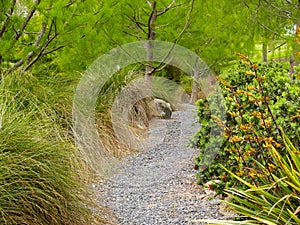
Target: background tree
x=32, y=30
x=152, y=20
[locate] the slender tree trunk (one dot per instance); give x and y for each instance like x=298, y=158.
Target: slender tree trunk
x=265, y=51
x=149, y=45
x=292, y=63
x=295, y=49
x=149, y=67
x=195, y=88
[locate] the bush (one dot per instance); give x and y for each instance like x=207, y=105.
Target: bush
x=260, y=98
x=271, y=203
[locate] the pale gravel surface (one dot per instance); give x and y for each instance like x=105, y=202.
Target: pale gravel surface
x=158, y=185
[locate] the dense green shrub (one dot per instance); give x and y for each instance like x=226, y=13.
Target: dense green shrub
x=260, y=98
x=271, y=203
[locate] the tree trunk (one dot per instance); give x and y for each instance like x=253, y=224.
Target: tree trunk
x=149, y=68
x=265, y=51
x=292, y=63
x=149, y=45
x=195, y=88
x=295, y=50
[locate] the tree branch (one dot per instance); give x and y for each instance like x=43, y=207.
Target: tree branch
x=280, y=10
x=149, y=3
x=269, y=29
x=30, y=32
x=8, y=15
x=54, y=49
x=163, y=66
x=70, y=3
x=41, y=53
x=279, y=46
x=137, y=23
x=133, y=35
x=41, y=33
x=42, y=49
x=44, y=46
x=151, y=21
x=28, y=18
x=187, y=24
x=37, y=41
x=15, y=66
x=118, y=44
x=14, y=29
x=161, y=26
x=161, y=12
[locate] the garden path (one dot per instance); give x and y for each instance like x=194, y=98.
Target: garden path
x=158, y=185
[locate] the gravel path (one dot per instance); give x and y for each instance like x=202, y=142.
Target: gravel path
x=158, y=185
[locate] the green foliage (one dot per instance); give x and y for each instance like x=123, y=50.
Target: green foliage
x=260, y=99
x=209, y=144
x=217, y=29
x=186, y=83
x=61, y=39
x=167, y=26
x=33, y=30
x=220, y=27
x=271, y=203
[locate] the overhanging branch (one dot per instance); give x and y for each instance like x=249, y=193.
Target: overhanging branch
x=8, y=15
x=27, y=19
x=161, y=12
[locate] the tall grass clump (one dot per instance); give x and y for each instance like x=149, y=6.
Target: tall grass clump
x=41, y=175
x=112, y=91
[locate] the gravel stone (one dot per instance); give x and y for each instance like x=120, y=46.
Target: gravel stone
x=158, y=185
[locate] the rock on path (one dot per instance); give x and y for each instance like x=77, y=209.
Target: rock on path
x=158, y=185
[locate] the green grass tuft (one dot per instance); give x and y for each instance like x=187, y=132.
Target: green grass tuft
x=41, y=175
